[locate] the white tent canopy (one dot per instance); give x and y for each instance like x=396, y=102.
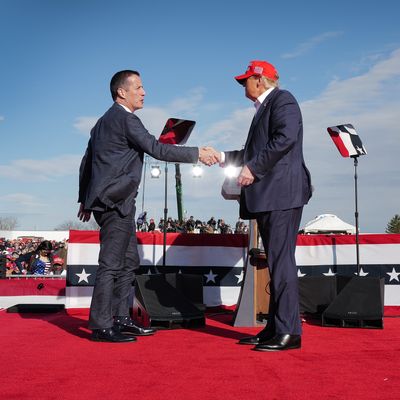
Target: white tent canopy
x=328, y=223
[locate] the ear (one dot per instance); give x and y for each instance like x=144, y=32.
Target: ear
x=121, y=92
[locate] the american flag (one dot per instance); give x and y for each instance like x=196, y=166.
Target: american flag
x=220, y=260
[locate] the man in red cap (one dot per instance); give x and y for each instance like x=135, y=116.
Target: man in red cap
x=275, y=185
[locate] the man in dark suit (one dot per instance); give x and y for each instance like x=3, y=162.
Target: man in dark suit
x=276, y=185
x=110, y=174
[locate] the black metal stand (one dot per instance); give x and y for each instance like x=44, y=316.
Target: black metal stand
x=165, y=213
x=144, y=181
x=178, y=186
x=356, y=213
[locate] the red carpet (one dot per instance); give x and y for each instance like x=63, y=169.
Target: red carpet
x=49, y=356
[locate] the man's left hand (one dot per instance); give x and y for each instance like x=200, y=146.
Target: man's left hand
x=245, y=177
x=84, y=215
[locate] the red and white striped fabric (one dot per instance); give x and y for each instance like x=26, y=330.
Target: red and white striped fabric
x=220, y=259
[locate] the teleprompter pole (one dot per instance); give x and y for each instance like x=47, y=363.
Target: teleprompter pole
x=356, y=213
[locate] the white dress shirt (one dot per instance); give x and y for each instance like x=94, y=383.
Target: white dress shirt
x=257, y=104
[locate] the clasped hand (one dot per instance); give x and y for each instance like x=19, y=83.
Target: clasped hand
x=209, y=156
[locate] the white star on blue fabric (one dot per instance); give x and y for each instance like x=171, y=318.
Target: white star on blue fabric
x=83, y=276
x=362, y=273
x=240, y=277
x=299, y=274
x=393, y=275
x=360, y=149
x=329, y=273
x=210, y=276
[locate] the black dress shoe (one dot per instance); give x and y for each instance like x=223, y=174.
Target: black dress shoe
x=127, y=326
x=263, y=336
x=280, y=342
x=110, y=335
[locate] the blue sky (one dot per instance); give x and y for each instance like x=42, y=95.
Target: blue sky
x=340, y=59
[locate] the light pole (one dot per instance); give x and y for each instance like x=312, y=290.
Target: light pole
x=155, y=173
x=165, y=213
x=178, y=186
x=144, y=181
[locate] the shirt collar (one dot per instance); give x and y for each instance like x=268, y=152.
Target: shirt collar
x=125, y=107
x=261, y=98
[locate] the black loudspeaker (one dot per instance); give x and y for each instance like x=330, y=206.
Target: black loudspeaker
x=359, y=303
x=3, y=267
x=316, y=293
x=169, y=301
x=190, y=285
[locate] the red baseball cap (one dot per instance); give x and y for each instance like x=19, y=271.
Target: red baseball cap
x=58, y=260
x=259, y=68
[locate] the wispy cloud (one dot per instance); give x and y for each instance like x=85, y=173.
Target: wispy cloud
x=307, y=46
x=1, y=118
x=371, y=102
x=42, y=169
x=372, y=96
x=187, y=106
x=85, y=124
x=154, y=118
x=21, y=200
x=230, y=133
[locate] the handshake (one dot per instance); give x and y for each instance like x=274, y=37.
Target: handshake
x=209, y=156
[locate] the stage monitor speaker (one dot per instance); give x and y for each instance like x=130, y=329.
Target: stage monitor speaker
x=316, y=293
x=159, y=304
x=3, y=267
x=359, y=304
x=190, y=285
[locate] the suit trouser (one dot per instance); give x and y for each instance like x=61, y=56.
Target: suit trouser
x=118, y=259
x=278, y=231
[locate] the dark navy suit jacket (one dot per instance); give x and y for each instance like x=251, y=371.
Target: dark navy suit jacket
x=273, y=152
x=111, y=168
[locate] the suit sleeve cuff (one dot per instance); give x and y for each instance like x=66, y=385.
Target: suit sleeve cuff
x=222, y=162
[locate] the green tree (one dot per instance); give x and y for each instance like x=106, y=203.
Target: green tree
x=393, y=225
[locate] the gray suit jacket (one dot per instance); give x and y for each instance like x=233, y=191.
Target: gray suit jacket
x=111, y=168
x=274, y=154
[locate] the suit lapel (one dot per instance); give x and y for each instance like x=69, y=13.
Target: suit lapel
x=265, y=104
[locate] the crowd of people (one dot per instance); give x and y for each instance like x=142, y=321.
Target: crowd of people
x=34, y=256
x=189, y=225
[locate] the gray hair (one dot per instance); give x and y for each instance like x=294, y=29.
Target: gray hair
x=268, y=83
